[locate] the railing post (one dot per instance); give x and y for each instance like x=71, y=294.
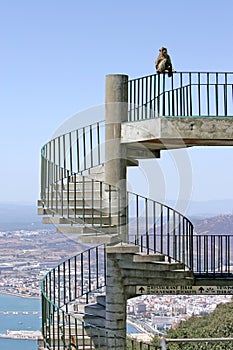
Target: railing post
x=116, y=109
x=163, y=344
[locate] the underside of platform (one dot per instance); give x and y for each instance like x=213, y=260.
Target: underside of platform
x=171, y=133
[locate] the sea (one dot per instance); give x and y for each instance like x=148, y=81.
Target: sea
x=14, y=316
x=18, y=319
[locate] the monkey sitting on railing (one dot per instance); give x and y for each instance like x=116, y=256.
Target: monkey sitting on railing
x=163, y=63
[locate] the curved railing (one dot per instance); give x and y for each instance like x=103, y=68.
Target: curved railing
x=73, y=279
x=67, y=162
x=152, y=225
x=157, y=228
x=66, y=290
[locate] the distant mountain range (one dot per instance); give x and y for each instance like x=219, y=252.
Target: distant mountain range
x=15, y=215
x=215, y=225
x=204, y=208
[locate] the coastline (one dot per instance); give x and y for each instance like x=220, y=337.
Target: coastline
x=143, y=336
x=20, y=320
x=19, y=295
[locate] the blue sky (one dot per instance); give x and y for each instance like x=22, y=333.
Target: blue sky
x=54, y=58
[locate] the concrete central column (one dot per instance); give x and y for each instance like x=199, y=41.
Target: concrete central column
x=116, y=302
x=116, y=111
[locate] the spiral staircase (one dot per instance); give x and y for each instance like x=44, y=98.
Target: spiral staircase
x=130, y=240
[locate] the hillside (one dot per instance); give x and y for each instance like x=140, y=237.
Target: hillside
x=215, y=325
x=220, y=224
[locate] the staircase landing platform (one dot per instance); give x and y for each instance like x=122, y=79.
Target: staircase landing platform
x=178, y=132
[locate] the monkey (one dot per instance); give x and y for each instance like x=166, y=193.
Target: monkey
x=72, y=343
x=163, y=62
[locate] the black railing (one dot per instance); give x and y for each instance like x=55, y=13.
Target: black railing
x=185, y=94
x=67, y=189
x=73, y=279
x=77, y=150
x=75, y=282
x=212, y=255
x=157, y=228
x=66, y=290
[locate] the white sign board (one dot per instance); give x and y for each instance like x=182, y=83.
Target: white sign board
x=195, y=290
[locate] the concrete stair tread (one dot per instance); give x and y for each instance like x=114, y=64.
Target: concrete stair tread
x=94, y=310
x=90, y=316
x=155, y=272
x=123, y=248
x=46, y=211
x=73, y=229
x=101, y=299
x=98, y=221
x=68, y=222
x=143, y=257
x=98, y=238
x=94, y=307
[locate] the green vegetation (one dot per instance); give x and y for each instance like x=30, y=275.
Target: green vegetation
x=218, y=324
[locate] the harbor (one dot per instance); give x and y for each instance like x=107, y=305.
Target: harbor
x=21, y=334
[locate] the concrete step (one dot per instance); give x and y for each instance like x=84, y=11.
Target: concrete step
x=97, y=172
x=81, y=202
x=83, y=187
x=153, y=267
x=172, y=275
x=95, y=316
x=158, y=266
x=96, y=310
x=87, y=196
x=81, y=178
x=79, y=229
x=92, y=320
x=150, y=269
x=79, y=219
x=56, y=220
x=101, y=299
x=98, y=238
x=122, y=248
x=79, y=211
x=148, y=258
x=71, y=195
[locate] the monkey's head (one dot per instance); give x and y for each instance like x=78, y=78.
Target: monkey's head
x=163, y=51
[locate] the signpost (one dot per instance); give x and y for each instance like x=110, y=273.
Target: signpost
x=189, y=290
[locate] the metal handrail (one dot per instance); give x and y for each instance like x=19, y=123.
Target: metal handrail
x=65, y=162
x=185, y=94
x=157, y=228
x=59, y=194
x=65, y=286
